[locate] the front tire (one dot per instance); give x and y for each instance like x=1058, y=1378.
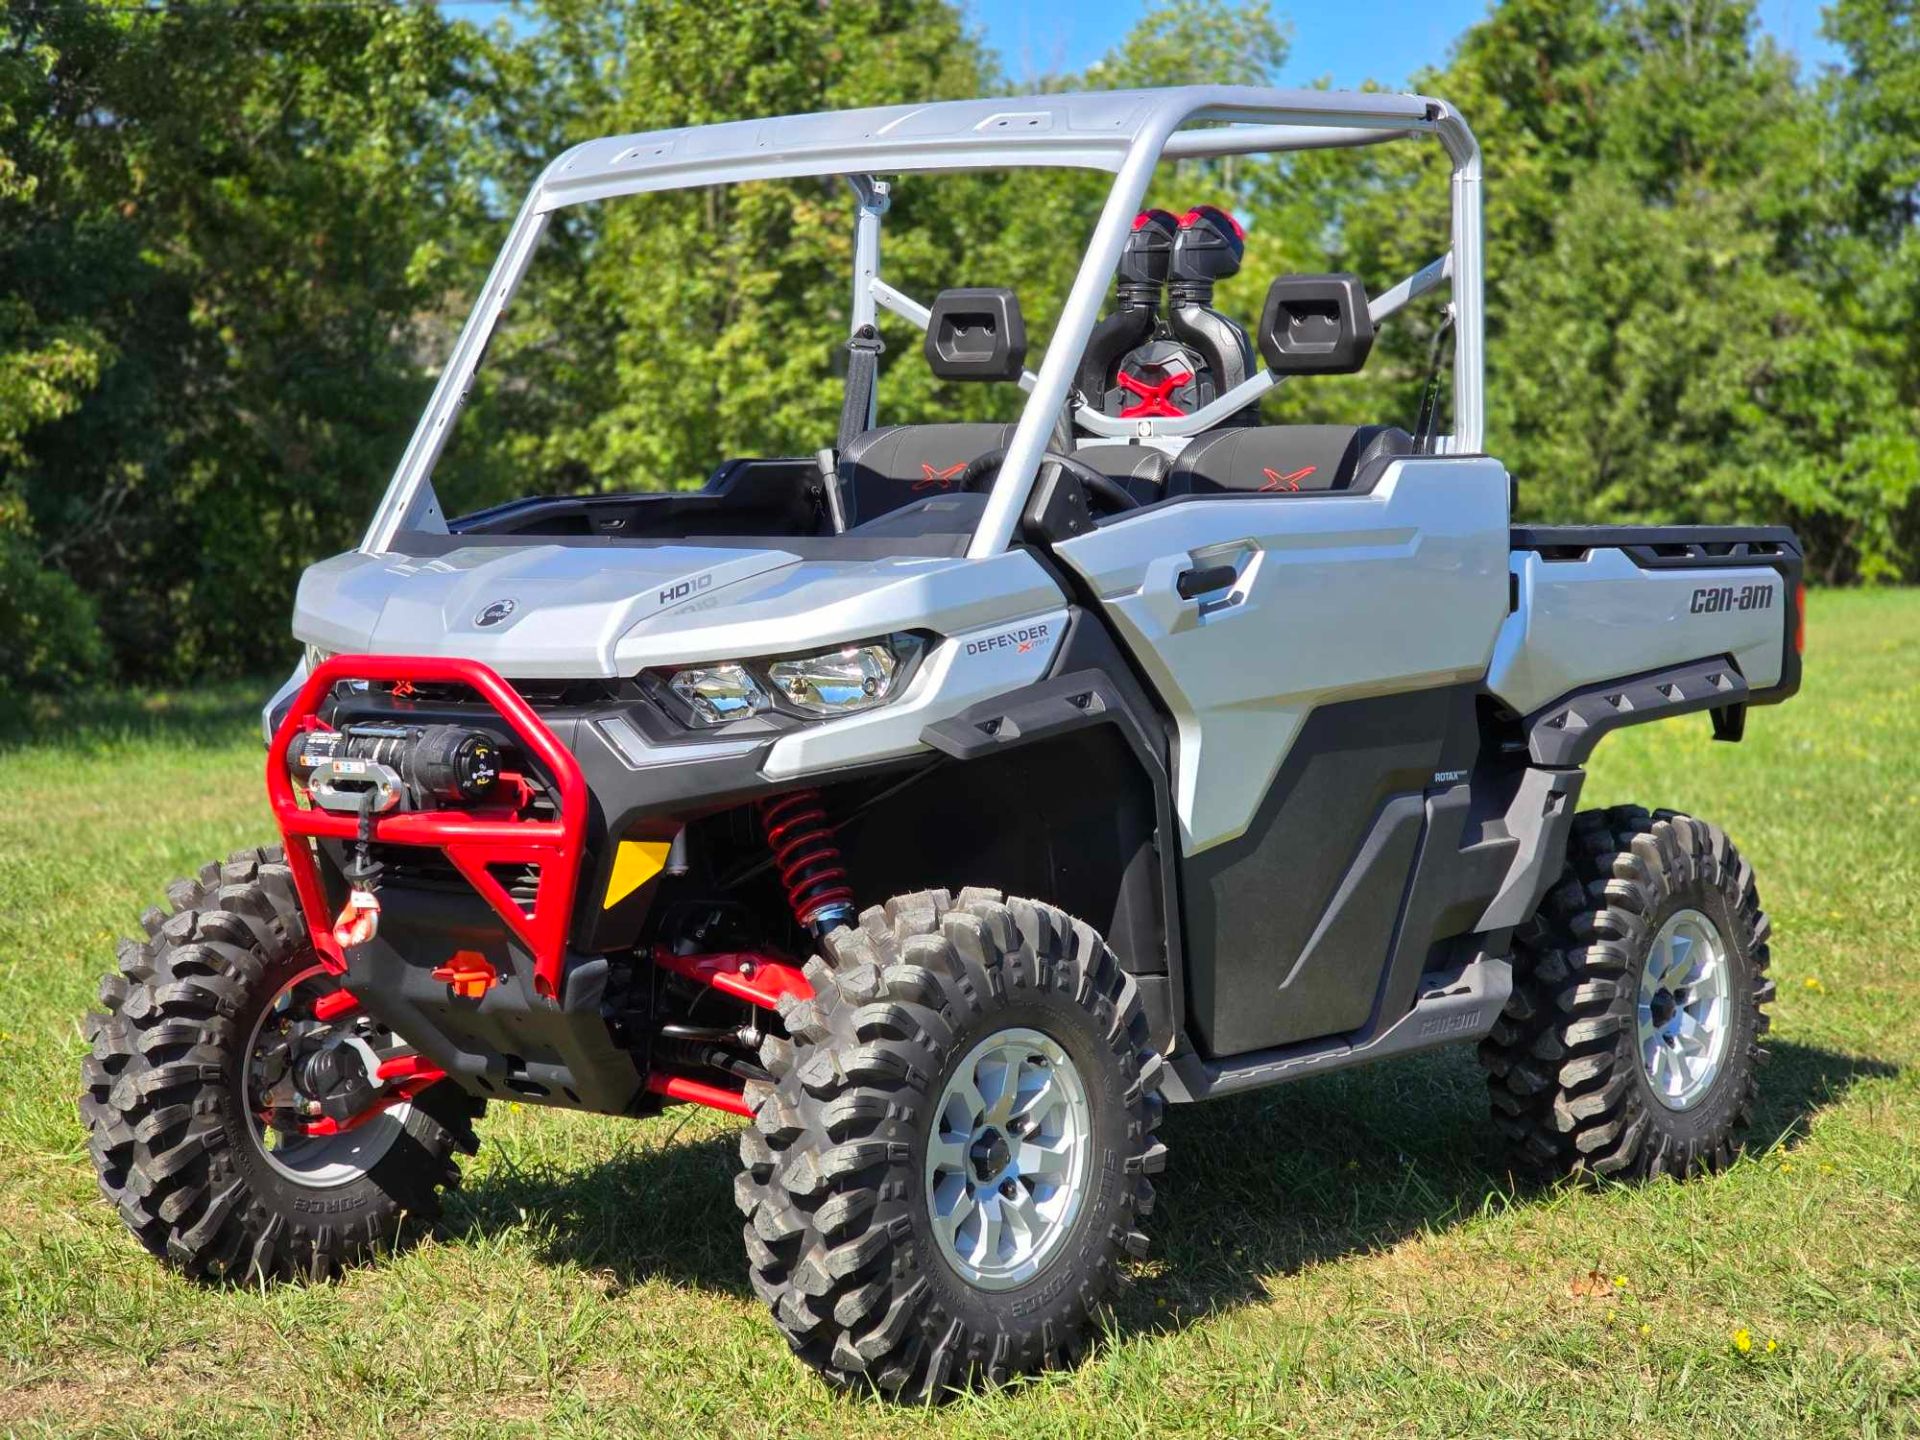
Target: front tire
x=1632, y=1041
x=946, y=1178
x=166, y=1096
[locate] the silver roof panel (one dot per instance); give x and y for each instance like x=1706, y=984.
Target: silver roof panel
x=1092, y=130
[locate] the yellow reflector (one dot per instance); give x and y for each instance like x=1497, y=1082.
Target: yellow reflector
x=634, y=863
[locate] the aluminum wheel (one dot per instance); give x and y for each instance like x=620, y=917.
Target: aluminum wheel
x=1007, y=1163
x=1684, y=1009
x=285, y=1030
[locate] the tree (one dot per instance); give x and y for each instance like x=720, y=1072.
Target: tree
x=1870, y=261
x=1666, y=337
x=656, y=335
x=236, y=240
x=223, y=231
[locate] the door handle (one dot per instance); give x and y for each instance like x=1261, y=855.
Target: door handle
x=1204, y=580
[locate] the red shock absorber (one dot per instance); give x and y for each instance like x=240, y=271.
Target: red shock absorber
x=808, y=859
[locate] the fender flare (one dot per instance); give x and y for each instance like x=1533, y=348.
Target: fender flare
x=1091, y=683
x=1563, y=732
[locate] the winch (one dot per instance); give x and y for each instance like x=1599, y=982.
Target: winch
x=369, y=769
x=424, y=767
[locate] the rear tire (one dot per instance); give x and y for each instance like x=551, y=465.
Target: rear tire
x=1585, y=1074
x=177, y=1153
x=863, y=1133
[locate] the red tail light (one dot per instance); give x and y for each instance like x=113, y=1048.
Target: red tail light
x=1800, y=619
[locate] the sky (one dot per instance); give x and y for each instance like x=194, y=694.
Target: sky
x=1345, y=42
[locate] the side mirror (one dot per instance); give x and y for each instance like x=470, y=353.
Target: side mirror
x=976, y=334
x=1315, y=325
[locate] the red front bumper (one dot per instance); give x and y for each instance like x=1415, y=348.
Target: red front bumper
x=472, y=840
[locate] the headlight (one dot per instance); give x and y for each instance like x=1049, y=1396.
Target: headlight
x=840, y=681
x=716, y=694
x=315, y=657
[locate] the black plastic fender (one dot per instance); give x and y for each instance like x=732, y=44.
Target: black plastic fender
x=1092, y=683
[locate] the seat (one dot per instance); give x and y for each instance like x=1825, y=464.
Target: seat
x=1142, y=469
x=888, y=467
x=1286, y=459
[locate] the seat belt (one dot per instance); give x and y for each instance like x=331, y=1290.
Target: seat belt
x=863, y=367
x=1426, y=428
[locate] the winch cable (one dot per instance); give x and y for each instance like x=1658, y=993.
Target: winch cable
x=359, y=919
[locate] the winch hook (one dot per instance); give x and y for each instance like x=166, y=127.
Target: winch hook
x=359, y=919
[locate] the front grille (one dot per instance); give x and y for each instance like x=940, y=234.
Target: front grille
x=420, y=867
x=540, y=694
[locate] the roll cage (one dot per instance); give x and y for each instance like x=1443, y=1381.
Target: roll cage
x=1126, y=133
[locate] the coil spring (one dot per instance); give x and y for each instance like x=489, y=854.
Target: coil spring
x=808, y=859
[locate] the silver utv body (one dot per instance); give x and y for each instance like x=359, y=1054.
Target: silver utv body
x=1340, y=859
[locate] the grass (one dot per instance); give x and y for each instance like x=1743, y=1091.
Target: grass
x=1338, y=1257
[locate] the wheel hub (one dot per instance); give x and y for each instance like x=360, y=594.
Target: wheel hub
x=990, y=1155
x=1684, y=1011
x=288, y=1059
x=1007, y=1162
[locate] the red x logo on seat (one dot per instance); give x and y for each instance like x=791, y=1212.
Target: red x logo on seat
x=1289, y=481
x=937, y=479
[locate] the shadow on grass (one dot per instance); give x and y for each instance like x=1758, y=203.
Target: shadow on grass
x=662, y=1208
x=1274, y=1183
x=212, y=715
x=1259, y=1186
x=1799, y=1082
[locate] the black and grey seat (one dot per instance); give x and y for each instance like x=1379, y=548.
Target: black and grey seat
x=1286, y=459
x=883, y=469
x=896, y=465
x=1141, y=469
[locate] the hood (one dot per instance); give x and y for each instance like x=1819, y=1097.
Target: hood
x=535, y=611
x=538, y=611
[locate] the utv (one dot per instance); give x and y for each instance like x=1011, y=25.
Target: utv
x=945, y=802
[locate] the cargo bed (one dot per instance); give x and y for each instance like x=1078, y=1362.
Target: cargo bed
x=1610, y=621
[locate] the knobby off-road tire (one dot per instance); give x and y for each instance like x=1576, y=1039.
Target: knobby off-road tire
x=175, y=1150
x=839, y=1231
x=1570, y=1085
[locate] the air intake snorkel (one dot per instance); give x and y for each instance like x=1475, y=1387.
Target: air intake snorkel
x=1208, y=248
x=1147, y=260
x=1143, y=269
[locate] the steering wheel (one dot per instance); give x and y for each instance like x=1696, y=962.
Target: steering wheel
x=1110, y=491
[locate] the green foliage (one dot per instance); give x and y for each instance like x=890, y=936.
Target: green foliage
x=222, y=252
x=236, y=241
x=1683, y=317
x=658, y=334
x=49, y=633
x=1670, y=342
x=1196, y=42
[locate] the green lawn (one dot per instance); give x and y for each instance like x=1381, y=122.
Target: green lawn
x=1345, y=1256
